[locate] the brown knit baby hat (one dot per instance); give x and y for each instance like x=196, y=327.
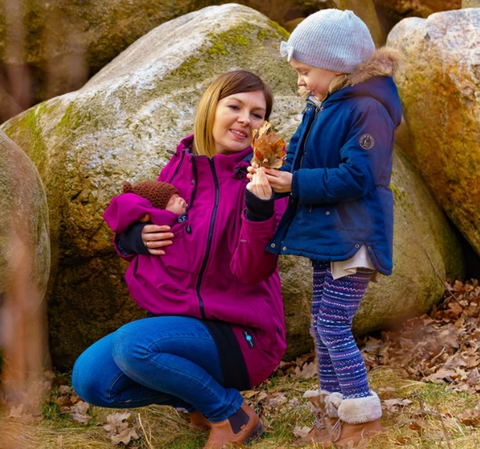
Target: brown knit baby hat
x=158, y=193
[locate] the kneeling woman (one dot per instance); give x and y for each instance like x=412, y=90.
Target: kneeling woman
x=215, y=322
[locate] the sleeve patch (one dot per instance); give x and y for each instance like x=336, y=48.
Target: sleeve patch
x=366, y=141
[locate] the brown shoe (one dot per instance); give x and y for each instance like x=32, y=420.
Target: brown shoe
x=346, y=435
x=198, y=422
x=239, y=429
x=320, y=433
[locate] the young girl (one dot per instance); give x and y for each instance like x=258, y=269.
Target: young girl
x=340, y=213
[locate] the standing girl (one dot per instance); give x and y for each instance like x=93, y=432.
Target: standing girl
x=340, y=213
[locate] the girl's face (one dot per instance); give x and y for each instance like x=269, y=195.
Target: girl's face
x=235, y=118
x=314, y=79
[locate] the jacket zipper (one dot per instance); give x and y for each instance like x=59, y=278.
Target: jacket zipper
x=317, y=109
x=304, y=143
x=178, y=167
x=209, y=241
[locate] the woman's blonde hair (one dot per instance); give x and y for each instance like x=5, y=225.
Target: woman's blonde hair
x=229, y=83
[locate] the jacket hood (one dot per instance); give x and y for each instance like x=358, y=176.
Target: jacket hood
x=374, y=78
x=383, y=62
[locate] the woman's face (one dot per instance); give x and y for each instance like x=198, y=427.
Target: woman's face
x=235, y=118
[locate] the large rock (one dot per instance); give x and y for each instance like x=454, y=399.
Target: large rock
x=24, y=268
x=119, y=127
x=426, y=252
x=393, y=11
x=23, y=221
x=439, y=88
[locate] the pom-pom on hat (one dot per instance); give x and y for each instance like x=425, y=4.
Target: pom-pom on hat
x=158, y=193
x=330, y=39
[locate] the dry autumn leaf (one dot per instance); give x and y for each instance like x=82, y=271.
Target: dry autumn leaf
x=268, y=147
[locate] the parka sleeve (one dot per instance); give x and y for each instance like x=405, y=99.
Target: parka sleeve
x=251, y=263
x=124, y=210
x=365, y=155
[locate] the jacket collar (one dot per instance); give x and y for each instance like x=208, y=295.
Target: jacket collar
x=235, y=163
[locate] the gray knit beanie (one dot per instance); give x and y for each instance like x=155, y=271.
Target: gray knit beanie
x=330, y=39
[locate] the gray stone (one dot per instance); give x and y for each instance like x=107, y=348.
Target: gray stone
x=439, y=85
x=24, y=267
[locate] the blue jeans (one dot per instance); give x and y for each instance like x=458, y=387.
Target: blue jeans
x=167, y=360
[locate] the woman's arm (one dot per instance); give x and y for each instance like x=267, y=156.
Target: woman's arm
x=251, y=262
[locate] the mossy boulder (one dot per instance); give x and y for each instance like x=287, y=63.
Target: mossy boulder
x=24, y=261
x=24, y=218
x=120, y=126
x=439, y=85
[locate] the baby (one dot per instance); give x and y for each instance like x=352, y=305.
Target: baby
x=154, y=201
x=162, y=195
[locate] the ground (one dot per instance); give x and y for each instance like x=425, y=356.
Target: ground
x=425, y=372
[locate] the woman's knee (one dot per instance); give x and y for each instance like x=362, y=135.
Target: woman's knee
x=84, y=379
x=94, y=372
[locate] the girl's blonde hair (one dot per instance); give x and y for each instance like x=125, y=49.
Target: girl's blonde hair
x=337, y=83
x=229, y=83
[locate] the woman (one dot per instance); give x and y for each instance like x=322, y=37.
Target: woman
x=215, y=324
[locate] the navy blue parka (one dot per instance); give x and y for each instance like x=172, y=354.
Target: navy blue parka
x=341, y=160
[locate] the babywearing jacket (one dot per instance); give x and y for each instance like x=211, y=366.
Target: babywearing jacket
x=217, y=269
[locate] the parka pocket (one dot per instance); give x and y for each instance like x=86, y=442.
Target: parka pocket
x=351, y=215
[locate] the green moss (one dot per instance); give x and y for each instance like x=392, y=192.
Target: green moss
x=217, y=48
x=399, y=196
x=27, y=134
x=69, y=121
x=282, y=31
x=242, y=40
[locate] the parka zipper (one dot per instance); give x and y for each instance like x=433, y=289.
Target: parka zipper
x=304, y=143
x=178, y=167
x=317, y=109
x=209, y=241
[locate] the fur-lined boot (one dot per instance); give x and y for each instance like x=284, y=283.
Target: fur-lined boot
x=325, y=406
x=359, y=420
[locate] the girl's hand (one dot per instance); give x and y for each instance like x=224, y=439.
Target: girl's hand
x=280, y=181
x=251, y=170
x=259, y=184
x=156, y=237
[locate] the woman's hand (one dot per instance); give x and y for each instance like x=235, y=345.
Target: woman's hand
x=156, y=237
x=280, y=181
x=259, y=184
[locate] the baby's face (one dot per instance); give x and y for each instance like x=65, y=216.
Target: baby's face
x=176, y=204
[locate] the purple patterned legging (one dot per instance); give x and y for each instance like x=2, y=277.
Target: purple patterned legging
x=334, y=304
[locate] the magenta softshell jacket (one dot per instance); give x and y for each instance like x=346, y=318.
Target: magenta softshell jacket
x=217, y=267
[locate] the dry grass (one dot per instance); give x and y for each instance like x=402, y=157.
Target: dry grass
x=436, y=417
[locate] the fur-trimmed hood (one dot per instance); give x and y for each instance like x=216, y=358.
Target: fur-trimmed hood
x=373, y=78
x=383, y=62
